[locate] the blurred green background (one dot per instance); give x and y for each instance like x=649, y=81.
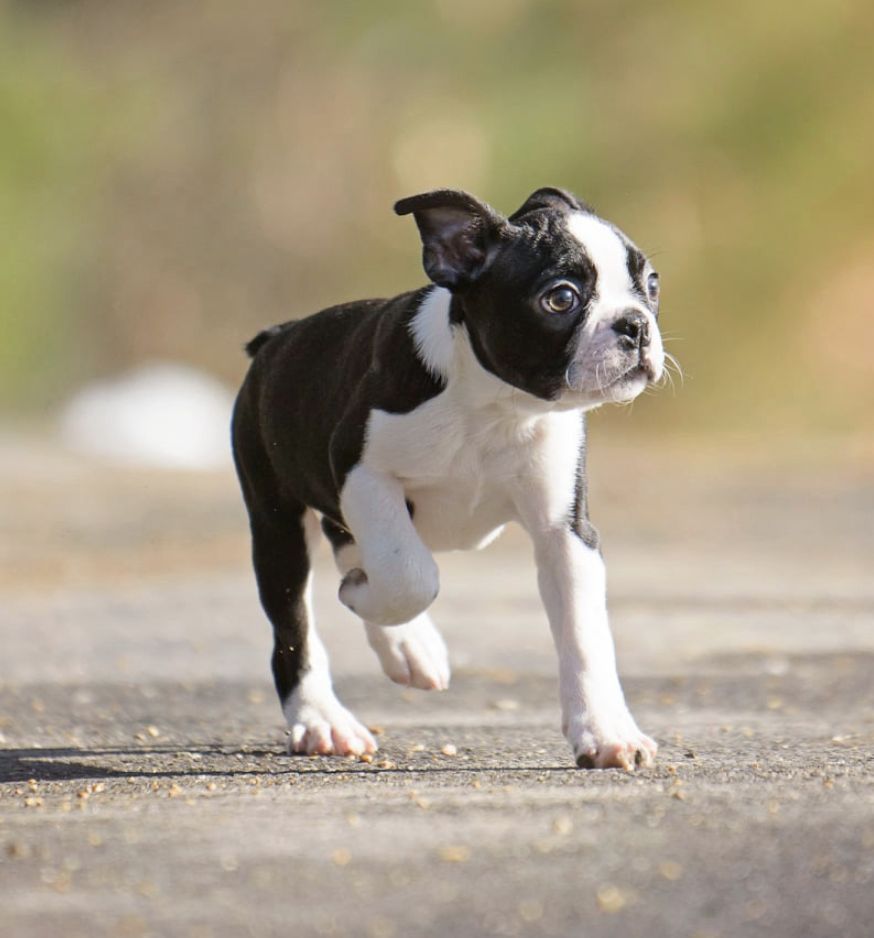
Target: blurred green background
x=173, y=176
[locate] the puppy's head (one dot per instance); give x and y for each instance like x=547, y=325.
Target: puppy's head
x=557, y=301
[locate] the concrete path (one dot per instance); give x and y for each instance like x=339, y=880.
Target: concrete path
x=144, y=789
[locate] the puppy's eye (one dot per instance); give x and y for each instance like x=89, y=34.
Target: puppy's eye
x=560, y=299
x=652, y=286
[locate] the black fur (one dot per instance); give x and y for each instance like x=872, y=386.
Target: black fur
x=457, y=234
x=509, y=331
x=337, y=536
x=255, y=345
x=550, y=198
x=636, y=263
x=580, y=524
x=298, y=428
x=300, y=417
x=313, y=384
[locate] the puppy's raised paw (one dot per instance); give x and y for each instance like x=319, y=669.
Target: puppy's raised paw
x=392, y=599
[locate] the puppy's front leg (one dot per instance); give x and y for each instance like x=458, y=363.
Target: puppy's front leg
x=398, y=578
x=595, y=718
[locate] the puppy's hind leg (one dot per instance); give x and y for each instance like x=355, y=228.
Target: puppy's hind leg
x=412, y=654
x=282, y=543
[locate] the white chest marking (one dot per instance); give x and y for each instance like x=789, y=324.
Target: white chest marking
x=476, y=455
x=462, y=456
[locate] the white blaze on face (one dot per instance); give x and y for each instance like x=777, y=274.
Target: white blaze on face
x=608, y=253
x=615, y=292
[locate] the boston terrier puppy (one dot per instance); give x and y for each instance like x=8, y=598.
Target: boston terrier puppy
x=428, y=421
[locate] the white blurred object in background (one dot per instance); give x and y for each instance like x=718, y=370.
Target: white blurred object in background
x=161, y=414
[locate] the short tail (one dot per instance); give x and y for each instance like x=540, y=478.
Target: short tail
x=253, y=346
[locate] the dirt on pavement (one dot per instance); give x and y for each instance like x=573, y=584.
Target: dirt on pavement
x=145, y=790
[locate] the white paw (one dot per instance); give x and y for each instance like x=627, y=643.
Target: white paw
x=610, y=741
x=395, y=598
x=413, y=654
x=319, y=724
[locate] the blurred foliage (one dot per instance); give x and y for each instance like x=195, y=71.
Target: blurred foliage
x=173, y=176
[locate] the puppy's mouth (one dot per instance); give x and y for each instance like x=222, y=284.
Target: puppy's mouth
x=618, y=382
x=632, y=373
x=643, y=369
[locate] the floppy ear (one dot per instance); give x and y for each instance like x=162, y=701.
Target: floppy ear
x=457, y=232
x=549, y=197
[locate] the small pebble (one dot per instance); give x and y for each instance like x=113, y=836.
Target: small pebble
x=612, y=899
x=454, y=853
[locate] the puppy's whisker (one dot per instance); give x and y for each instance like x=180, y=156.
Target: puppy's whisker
x=673, y=365
x=600, y=383
x=666, y=380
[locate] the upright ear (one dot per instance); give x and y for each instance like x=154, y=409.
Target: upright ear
x=549, y=197
x=457, y=233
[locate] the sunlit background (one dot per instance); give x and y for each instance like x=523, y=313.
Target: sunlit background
x=174, y=176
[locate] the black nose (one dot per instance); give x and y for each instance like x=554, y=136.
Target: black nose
x=633, y=327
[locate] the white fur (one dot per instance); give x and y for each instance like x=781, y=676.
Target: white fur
x=398, y=578
x=615, y=295
x=474, y=457
x=607, y=251
x=452, y=455
x=432, y=333
x=317, y=721
x=414, y=653
x=572, y=581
